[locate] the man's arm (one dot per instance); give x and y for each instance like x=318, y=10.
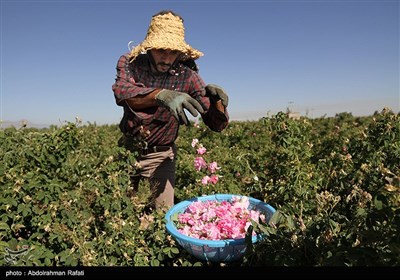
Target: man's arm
x=175, y=101
x=215, y=114
x=217, y=117
x=140, y=102
x=125, y=87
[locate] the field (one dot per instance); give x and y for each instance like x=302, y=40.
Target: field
x=334, y=181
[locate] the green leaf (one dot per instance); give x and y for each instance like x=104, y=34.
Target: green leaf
x=166, y=250
x=4, y=226
x=175, y=250
x=378, y=204
x=290, y=222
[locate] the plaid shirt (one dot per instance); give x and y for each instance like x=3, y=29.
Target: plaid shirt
x=136, y=78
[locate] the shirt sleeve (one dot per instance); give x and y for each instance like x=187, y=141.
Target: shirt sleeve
x=215, y=119
x=125, y=85
x=212, y=117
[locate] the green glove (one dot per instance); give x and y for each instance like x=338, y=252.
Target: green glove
x=176, y=101
x=216, y=93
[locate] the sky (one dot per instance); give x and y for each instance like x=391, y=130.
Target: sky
x=318, y=58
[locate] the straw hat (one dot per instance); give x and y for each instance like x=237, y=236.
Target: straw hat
x=166, y=31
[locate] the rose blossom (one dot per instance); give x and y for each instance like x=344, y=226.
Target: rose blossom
x=213, y=167
x=201, y=150
x=199, y=163
x=194, y=142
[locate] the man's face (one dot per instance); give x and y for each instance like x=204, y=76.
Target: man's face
x=164, y=58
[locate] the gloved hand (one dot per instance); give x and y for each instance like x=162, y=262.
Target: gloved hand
x=216, y=93
x=176, y=101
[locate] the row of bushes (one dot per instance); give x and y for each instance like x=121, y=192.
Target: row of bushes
x=335, y=181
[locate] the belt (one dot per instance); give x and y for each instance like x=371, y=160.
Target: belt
x=155, y=149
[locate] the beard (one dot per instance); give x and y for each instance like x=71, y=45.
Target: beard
x=163, y=67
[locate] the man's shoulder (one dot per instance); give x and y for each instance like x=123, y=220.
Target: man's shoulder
x=124, y=56
x=185, y=70
x=190, y=64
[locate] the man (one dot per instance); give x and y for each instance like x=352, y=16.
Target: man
x=155, y=82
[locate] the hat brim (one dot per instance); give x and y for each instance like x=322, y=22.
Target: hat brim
x=187, y=51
